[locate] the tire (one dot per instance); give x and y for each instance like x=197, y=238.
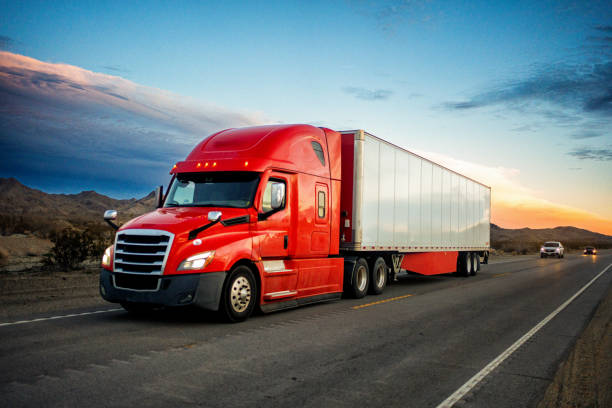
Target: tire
x=239, y=295
x=541, y=255
x=464, y=264
x=378, y=277
x=360, y=280
x=469, y=264
x=475, y=263
x=137, y=308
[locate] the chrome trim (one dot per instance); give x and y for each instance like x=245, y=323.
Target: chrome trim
x=281, y=293
x=149, y=232
x=138, y=290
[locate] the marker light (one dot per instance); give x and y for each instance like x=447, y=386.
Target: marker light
x=206, y=164
x=246, y=163
x=174, y=167
x=107, y=258
x=214, y=164
x=198, y=261
x=199, y=165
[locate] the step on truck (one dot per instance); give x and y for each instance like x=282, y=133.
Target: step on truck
x=274, y=217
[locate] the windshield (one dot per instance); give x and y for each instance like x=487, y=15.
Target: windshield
x=551, y=244
x=218, y=189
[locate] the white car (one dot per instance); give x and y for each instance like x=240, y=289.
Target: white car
x=552, y=248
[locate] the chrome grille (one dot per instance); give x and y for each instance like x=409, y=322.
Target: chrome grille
x=142, y=251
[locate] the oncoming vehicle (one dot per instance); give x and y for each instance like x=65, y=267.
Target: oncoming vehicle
x=552, y=248
x=590, y=250
x=274, y=217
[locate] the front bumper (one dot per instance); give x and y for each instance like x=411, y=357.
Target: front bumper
x=202, y=290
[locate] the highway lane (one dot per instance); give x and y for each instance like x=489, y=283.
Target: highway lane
x=410, y=351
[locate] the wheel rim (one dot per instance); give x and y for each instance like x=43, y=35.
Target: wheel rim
x=240, y=294
x=362, y=278
x=380, y=276
x=468, y=264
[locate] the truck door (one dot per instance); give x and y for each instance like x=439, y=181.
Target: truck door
x=273, y=223
x=319, y=242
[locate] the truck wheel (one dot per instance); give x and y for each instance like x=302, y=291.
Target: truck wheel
x=475, y=263
x=137, y=308
x=485, y=260
x=239, y=295
x=360, y=280
x=378, y=277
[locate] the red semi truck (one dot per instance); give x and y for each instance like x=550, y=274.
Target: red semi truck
x=280, y=216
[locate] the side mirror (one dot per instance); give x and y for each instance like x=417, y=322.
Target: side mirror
x=278, y=195
x=109, y=216
x=214, y=216
x=159, y=196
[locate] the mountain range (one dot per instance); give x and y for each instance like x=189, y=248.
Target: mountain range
x=31, y=207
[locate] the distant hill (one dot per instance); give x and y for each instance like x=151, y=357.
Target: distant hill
x=24, y=209
x=33, y=210
x=529, y=240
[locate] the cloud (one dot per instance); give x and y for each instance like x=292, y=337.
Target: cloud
x=586, y=89
x=389, y=14
x=589, y=153
x=516, y=206
x=116, y=68
x=586, y=134
x=5, y=42
x=62, y=122
x=368, y=94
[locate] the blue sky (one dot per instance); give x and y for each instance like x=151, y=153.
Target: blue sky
x=518, y=93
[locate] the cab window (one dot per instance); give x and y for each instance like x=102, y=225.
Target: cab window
x=274, y=196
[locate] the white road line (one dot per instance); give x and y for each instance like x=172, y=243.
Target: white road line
x=472, y=382
x=58, y=317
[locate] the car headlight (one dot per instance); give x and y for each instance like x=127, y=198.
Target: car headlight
x=107, y=258
x=557, y=250
x=542, y=249
x=198, y=261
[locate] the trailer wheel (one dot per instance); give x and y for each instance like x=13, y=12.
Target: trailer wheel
x=239, y=295
x=475, y=263
x=464, y=264
x=378, y=276
x=360, y=280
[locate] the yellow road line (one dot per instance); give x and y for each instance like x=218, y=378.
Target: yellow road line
x=381, y=301
x=501, y=274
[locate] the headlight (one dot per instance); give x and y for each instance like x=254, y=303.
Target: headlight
x=542, y=249
x=557, y=250
x=199, y=261
x=107, y=257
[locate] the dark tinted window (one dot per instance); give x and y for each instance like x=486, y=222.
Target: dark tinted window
x=551, y=244
x=316, y=146
x=213, y=189
x=321, y=204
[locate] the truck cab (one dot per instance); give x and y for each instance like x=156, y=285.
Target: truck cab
x=251, y=218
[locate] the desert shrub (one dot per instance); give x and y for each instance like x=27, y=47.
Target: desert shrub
x=72, y=247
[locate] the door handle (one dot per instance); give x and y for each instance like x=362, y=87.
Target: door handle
x=286, y=241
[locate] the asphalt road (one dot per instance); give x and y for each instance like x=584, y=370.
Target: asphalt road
x=412, y=346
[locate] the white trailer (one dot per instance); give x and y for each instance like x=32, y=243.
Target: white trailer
x=411, y=212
